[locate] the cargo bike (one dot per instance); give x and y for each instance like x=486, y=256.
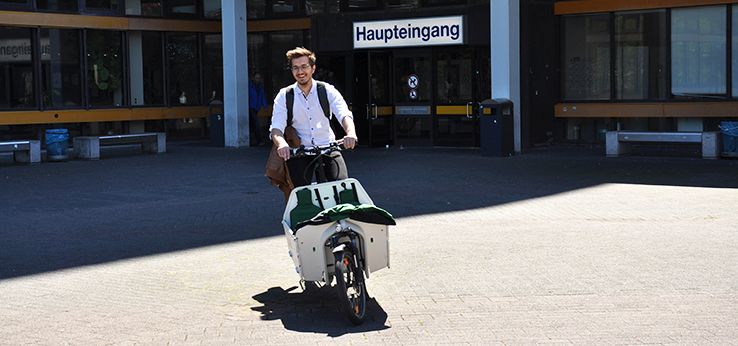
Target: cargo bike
x=334, y=230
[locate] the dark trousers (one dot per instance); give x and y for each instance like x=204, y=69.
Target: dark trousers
x=302, y=168
x=254, y=128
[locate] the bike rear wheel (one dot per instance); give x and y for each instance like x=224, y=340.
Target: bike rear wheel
x=351, y=287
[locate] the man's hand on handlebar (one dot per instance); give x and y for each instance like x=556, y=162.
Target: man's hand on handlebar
x=349, y=142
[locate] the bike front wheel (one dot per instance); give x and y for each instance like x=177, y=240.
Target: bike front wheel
x=351, y=287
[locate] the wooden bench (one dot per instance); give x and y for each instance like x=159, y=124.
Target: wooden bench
x=26, y=151
x=88, y=147
x=618, y=142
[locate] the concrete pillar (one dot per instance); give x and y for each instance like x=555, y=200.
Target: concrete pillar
x=505, y=56
x=235, y=74
x=135, y=70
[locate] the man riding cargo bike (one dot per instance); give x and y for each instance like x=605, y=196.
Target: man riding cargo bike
x=332, y=227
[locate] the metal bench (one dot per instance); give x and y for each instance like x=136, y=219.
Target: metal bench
x=618, y=142
x=26, y=151
x=88, y=147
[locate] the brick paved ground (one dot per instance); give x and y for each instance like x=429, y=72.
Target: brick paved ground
x=556, y=246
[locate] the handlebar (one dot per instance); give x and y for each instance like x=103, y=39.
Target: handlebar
x=317, y=150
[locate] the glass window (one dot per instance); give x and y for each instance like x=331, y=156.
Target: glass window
x=586, y=57
x=454, y=77
x=61, y=70
x=735, y=52
x=15, y=4
x=146, y=61
x=212, y=9
x=102, y=5
x=640, y=55
x=356, y=5
x=314, y=7
x=402, y=4
x=281, y=42
x=698, y=51
x=414, y=71
x=282, y=7
x=255, y=9
x=179, y=8
x=213, y=65
x=104, y=68
x=57, y=5
x=431, y=3
x=16, y=68
x=148, y=8
x=184, y=72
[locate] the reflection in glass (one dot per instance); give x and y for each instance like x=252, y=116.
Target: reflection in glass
x=282, y=42
x=60, y=68
x=16, y=68
x=414, y=82
x=104, y=68
x=213, y=65
x=314, y=6
x=361, y=4
x=146, y=68
x=184, y=73
x=147, y=8
x=698, y=51
x=212, y=9
x=454, y=77
x=284, y=6
x=586, y=62
x=640, y=55
x=255, y=9
x=402, y=4
x=57, y=5
x=102, y=5
x=181, y=7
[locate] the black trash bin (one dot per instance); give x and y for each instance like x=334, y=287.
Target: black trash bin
x=216, y=130
x=496, y=127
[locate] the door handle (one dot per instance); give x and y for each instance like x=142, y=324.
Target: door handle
x=469, y=110
x=375, y=115
x=368, y=115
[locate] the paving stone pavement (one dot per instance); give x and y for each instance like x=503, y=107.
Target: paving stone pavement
x=557, y=246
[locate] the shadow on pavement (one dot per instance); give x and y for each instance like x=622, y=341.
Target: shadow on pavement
x=315, y=310
x=57, y=216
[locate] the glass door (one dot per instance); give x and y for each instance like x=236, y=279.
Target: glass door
x=372, y=105
x=456, y=123
x=413, y=89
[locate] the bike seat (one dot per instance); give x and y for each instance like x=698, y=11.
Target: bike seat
x=305, y=209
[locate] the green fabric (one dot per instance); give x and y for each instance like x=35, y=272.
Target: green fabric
x=305, y=209
x=362, y=212
x=348, y=196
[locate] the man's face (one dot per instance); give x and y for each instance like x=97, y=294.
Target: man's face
x=302, y=70
x=257, y=78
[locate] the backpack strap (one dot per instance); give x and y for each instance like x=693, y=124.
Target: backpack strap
x=323, y=98
x=290, y=103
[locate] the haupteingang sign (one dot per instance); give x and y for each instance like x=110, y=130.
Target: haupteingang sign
x=409, y=32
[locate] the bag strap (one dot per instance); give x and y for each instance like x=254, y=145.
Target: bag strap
x=322, y=97
x=290, y=103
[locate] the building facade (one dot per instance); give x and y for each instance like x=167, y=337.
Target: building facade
x=412, y=71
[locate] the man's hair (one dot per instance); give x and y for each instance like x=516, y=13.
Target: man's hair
x=299, y=52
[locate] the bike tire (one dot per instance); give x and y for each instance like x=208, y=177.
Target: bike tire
x=351, y=287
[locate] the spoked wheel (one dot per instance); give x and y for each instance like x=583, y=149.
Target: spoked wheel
x=351, y=287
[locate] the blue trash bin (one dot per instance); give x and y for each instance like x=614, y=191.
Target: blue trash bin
x=57, y=141
x=729, y=130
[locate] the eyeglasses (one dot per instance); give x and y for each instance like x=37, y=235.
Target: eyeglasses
x=300, y=68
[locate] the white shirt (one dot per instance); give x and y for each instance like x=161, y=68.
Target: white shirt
x=308, y=118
